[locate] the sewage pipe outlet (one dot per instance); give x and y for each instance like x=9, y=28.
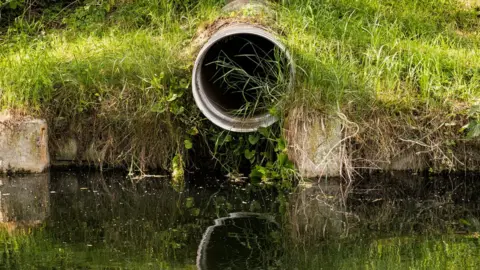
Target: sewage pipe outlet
x=239, y=74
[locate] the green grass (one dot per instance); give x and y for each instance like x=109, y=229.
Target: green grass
x=117, y=73
x=398, y=53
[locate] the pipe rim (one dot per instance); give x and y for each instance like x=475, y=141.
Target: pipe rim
x=223, y=119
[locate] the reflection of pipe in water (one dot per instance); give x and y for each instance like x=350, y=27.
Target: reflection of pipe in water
x=24, y=200
x=239, y=241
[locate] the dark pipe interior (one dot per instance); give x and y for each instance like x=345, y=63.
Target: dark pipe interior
x=235, y=47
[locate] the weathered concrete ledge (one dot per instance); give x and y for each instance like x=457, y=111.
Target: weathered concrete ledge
x=23, y=144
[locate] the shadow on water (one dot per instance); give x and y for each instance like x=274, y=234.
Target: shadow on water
x=68, y=220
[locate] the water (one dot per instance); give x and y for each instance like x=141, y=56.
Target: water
x=67, y=220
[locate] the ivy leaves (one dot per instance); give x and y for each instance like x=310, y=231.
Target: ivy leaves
x=253, y=139
x=264, y=152
x=279, y=170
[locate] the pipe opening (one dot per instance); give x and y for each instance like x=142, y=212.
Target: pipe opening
x=240, y=78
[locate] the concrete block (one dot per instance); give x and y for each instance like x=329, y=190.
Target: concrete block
x=23, y=144
x=315, y=144
x=67, y=151
x=409, y=161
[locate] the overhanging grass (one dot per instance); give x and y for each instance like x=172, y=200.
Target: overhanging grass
x=122, y=71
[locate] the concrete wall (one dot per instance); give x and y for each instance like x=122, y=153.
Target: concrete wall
x=315, y=143
x=23, y=144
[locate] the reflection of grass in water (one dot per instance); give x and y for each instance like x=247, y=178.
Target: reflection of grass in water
x=441, y=252
x=39, y=248
x=84, y=246
x=260, y=88
x=40, y=251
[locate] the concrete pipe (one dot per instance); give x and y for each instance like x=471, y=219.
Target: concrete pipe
x=240, y=72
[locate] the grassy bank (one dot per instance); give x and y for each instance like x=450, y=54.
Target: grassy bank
x=115, y=74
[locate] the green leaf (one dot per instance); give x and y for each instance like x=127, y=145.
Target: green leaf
x=189, y=203
x=184, y=83
x=270, y=165
x=176, y=109
x=256, y=176
x=13, y=4
x=159, y=108
x=465, y=222
x=473, y=129
x=228, y=138
x=253, y=139
x=188, y=144
x=274, y=111
x=171, y=97
x=264, y=131
x=281, y=145
x=195, y=212
x=474, y=110
x=193, y=131
x=282, y=159
x=264, y=171
x=289, y=165
x=250, y=154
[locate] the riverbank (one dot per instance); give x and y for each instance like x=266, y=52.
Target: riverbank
x=403, y=79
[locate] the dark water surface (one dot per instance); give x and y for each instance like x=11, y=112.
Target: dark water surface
x=66, y=220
